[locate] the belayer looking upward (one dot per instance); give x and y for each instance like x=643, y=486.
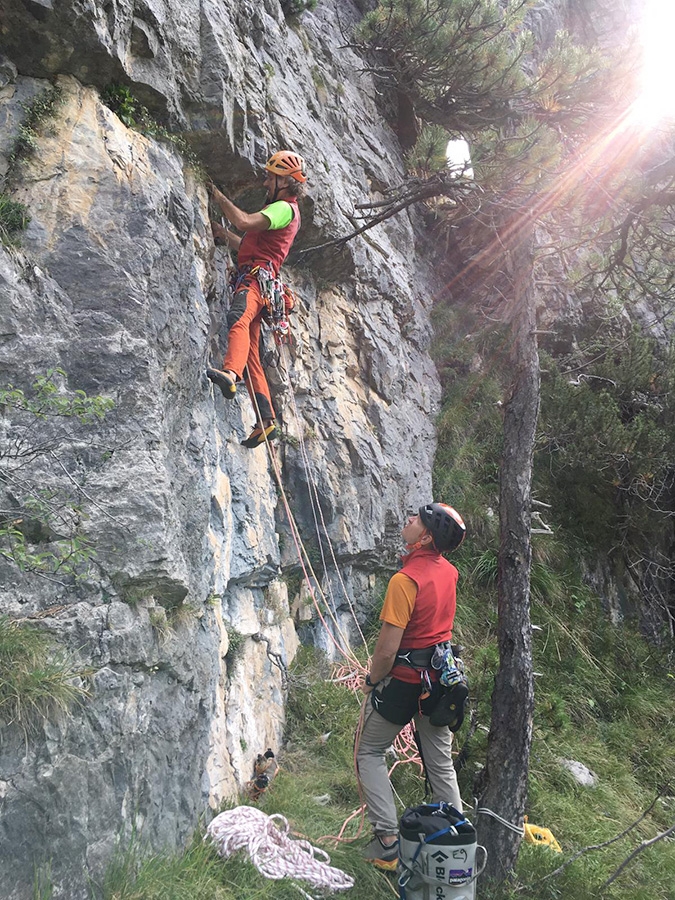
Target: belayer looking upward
x=267, y=240
x=417, y=618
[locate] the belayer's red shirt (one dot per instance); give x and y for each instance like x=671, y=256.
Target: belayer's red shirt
x=428, y=616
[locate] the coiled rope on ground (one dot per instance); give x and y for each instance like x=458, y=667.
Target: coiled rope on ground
x=272, y=850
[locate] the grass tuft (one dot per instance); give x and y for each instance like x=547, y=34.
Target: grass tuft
x=14, y=218
x=35, y=682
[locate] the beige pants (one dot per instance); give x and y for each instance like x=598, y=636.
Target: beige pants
x=377, y=736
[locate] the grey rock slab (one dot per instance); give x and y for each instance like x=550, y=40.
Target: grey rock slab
x=117, y=283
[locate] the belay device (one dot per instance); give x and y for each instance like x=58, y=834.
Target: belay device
x=437, y=854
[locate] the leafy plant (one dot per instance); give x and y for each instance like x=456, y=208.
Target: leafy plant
x=295, y=7
x=236, y=642
x=42, y=108
x=14, y=216
x=35, y=681
x=134, y=114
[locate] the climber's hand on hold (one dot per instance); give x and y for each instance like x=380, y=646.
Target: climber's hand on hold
x=219, y=232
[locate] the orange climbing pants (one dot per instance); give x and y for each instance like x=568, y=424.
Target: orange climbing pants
x=243, y=344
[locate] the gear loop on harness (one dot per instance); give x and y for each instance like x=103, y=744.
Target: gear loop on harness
x=278, y=297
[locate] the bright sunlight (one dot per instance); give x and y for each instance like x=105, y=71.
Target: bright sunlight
x=657, y=100
x=458, y=156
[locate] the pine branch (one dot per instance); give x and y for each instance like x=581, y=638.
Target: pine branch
x=636, y=852
x=436, y=186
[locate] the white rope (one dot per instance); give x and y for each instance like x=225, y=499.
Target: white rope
x=314, y=500
x=272, y=851
x=488, y=812
x=305, y=564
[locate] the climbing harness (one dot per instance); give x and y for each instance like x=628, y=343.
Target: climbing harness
x=272, y=851
x=278, y=297
x=279, y=300
x=437, y=854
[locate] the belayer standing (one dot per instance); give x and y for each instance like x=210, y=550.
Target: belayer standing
x=268, y=236
x=417, y=617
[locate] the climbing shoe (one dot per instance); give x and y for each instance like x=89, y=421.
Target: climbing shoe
x=258, y=435
x=381, y=856
x=227, y=387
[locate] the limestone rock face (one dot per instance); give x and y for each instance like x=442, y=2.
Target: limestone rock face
x=181, y=624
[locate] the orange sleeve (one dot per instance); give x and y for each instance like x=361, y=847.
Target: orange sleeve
x=399, y=601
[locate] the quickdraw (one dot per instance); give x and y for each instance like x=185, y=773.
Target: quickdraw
x=280, y=300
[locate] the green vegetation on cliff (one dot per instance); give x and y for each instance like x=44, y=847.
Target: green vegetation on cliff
x=37, y=681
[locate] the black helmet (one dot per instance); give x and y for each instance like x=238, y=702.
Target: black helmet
x=445, y=525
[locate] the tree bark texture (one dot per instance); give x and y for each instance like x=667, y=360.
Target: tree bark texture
x=504, y=780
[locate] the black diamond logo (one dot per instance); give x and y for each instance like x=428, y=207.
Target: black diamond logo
x=439, y=856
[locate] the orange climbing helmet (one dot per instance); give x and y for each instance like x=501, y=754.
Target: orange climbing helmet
x=285, y=162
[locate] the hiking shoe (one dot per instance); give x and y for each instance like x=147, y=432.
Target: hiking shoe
x=381, y=856
x=227, y=387
x=258, y=436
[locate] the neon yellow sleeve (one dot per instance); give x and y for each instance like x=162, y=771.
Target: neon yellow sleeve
x=280, y=214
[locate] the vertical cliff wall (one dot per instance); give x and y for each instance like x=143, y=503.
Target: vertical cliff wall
x=118, y=284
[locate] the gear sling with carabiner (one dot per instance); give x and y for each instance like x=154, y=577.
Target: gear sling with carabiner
x=278, y=297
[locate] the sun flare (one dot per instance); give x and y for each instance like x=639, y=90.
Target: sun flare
x=657, y=97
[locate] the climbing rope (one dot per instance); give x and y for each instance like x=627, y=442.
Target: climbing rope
x=352, y=671
x=312, y=582
x=314, y=500
x=272, y=851
x=483, y=810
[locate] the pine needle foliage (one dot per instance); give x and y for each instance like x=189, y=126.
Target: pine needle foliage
x=606, y=455
x=460, y=61
x=428, y=154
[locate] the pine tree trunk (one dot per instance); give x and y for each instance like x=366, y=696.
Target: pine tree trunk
x=504, y=780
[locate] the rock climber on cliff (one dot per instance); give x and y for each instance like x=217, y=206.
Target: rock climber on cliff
x=268, y=236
